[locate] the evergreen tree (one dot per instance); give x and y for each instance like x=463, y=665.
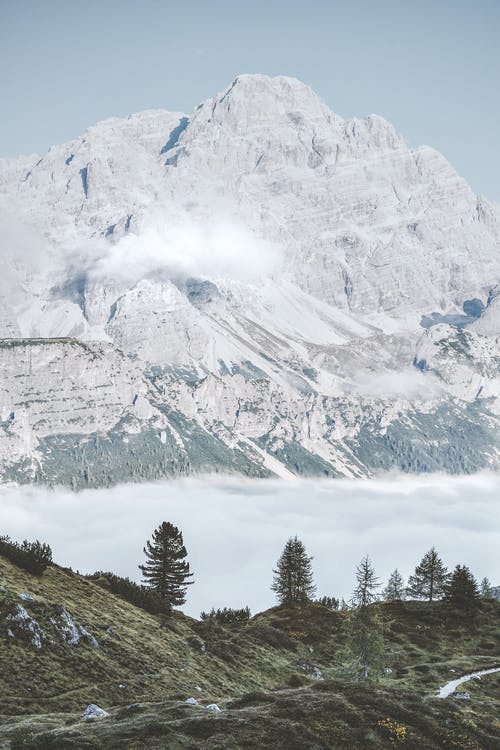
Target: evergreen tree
x=364, y=626
x=166, y=570
x=293, y=578
x=365, y=592
x=462, y=591
x=486, y=589
x=429, y=579
x=395, y=590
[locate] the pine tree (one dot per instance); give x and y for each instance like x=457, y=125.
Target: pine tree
x=486, y=589
x=429, y=579
x=166, y=570
x=395, y=589
x=293, y=578
x=364, y=626
x=462, y=591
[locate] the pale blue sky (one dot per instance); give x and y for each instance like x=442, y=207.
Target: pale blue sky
x=432, y=67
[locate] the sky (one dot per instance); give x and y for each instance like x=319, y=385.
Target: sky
x=430, y=67
x=234, y=530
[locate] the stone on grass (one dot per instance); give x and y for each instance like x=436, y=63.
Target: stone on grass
x=94, y=712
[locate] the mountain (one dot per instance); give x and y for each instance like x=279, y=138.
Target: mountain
x=279, y=678
x=261, y=287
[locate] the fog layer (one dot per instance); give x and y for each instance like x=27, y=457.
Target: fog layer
x=234, y=530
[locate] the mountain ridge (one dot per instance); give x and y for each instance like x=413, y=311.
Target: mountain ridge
x=286, y=285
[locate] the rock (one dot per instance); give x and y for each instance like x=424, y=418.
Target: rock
x=311, y=669
x=27, y=625
x=191, y=701
x=94, y=712
x=26, y=597
x=70, y=631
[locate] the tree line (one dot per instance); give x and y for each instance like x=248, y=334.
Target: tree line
x=166, y=577
x=166, y=571
x=431, y=581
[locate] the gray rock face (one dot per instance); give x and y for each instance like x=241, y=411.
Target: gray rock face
x=261, y=288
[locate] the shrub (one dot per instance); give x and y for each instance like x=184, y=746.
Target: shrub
x=328, y=601
x=297, y=680
x=226, y=616
x=35, y=557
x=141, y=596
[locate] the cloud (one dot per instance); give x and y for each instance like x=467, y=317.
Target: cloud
x=179, y=245
x=408, y=383
x=234, y=530
x=23, y=251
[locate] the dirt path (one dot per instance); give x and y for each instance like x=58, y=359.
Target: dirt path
x=450, y=687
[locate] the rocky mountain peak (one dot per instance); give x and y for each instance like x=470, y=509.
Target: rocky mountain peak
x=159, y=228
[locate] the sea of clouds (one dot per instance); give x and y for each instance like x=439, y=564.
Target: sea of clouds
x=234, y=529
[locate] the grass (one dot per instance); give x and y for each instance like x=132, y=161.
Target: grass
x=261, y=672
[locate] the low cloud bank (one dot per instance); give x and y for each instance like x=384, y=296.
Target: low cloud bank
x=408, y=383
x=234, y=530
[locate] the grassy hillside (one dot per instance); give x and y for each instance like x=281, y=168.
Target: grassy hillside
x=279, y=678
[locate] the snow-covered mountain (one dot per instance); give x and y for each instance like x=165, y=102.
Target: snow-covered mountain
x=260, y=287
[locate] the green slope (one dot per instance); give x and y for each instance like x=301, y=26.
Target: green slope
x=262, y=673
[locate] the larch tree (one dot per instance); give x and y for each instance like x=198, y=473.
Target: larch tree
x=364, y=627
x=293, y=577
x=486, y=588
x=368, y=584
x=395, y=590
x=430, y=578
x=166, y=569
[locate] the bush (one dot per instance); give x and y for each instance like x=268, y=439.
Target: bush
x=297, y=680
x=140, y=596
x=226, y=616
x=328, y=601
x=35, y=557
